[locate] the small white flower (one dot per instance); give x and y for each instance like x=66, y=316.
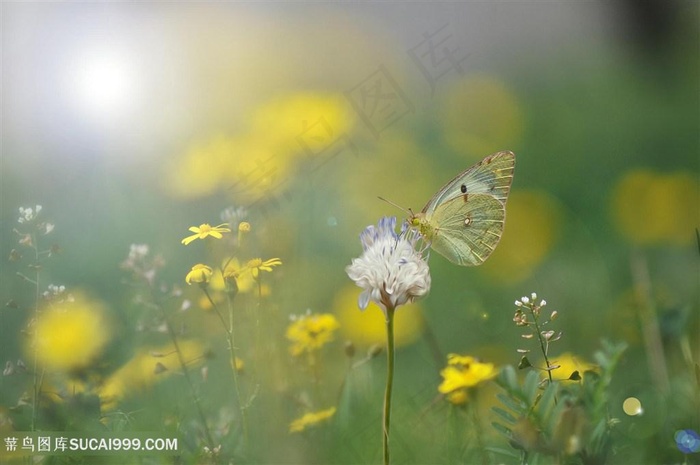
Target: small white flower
x=543, y=303
x=525, y=300
x=28, y=214
x=234, y=215
x=518, y=303
x=392, y=269
x=533, y=296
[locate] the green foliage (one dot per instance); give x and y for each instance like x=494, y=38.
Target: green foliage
x=566, y=419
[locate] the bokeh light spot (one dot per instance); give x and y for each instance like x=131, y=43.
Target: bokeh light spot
x=687, y=441
x=632, y=406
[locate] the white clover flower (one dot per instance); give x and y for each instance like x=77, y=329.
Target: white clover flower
x=392, y=269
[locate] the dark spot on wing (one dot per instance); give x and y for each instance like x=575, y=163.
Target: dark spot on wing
x=463, y=188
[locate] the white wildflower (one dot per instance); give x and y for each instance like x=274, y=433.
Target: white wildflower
x=392, y=269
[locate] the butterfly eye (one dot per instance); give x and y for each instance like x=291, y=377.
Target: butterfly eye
x=463, y=188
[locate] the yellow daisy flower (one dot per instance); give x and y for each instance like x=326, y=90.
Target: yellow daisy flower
x=310, y=419
x=311, y=332
x=205, y=230
x=463, y=372
x=256, y=265
x=199, y=274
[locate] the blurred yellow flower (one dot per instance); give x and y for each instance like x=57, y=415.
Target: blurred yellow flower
x=205, y=230
x=651, y=208
x=233, y=270
x=146, y=367
x=568, y=363
x=482, y=116
x=533, y=223
x=71, y=335
x=310, y=419
x=310, y=332
x=199, y=274
x=256, y=265
x=313, y=119
x=368, y=328
x=239, y=364
x=463, y=372
x=253, y=163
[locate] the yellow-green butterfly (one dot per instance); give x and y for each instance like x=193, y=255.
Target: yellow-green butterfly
x=464, y=221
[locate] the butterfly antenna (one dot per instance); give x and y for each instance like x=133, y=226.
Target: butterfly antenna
x=392, y=203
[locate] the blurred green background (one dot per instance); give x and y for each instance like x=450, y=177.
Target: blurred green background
x=129, y=123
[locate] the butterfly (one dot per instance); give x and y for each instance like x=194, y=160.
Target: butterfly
x=465, y=219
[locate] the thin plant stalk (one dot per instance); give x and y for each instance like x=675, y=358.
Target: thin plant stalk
x=38, y=380
x=230, y=338
x=389, y=381
x=544, y=345
x=474, y=407
x=186, y=373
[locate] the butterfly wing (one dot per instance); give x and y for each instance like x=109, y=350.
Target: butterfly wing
x=493, y=176
x=467, y=230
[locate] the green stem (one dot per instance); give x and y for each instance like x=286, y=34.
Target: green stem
x=228, y=329
x=543, y=347
x=389, y=381
x=36, y=390
x=474, y=407
x=186, y=373
x=232, y=349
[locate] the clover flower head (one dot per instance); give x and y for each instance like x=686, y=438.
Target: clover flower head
x=392, y=269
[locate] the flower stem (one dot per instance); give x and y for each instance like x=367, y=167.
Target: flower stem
x=38, y=380
x=474, y=407
x=188, y=378
x=232, y=349
x=543, y=344
x=228, y=329
x=389, y=381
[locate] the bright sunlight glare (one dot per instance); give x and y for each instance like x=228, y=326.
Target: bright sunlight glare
x=104, y=84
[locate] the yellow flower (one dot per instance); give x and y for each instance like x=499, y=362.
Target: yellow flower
x=71, y=335
x=244, y=227
x=463, y=372
x=310, y=419
x=256, y=265
x=532, y=229
x=651, y=208
x=311, y=332
x=568, y=363
x=281, y=133
x=239, y=364
x=368, y=328
x=205, y=230
x=481, y=114
x=146, y=367
x=199, y=274
x=233, y=270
